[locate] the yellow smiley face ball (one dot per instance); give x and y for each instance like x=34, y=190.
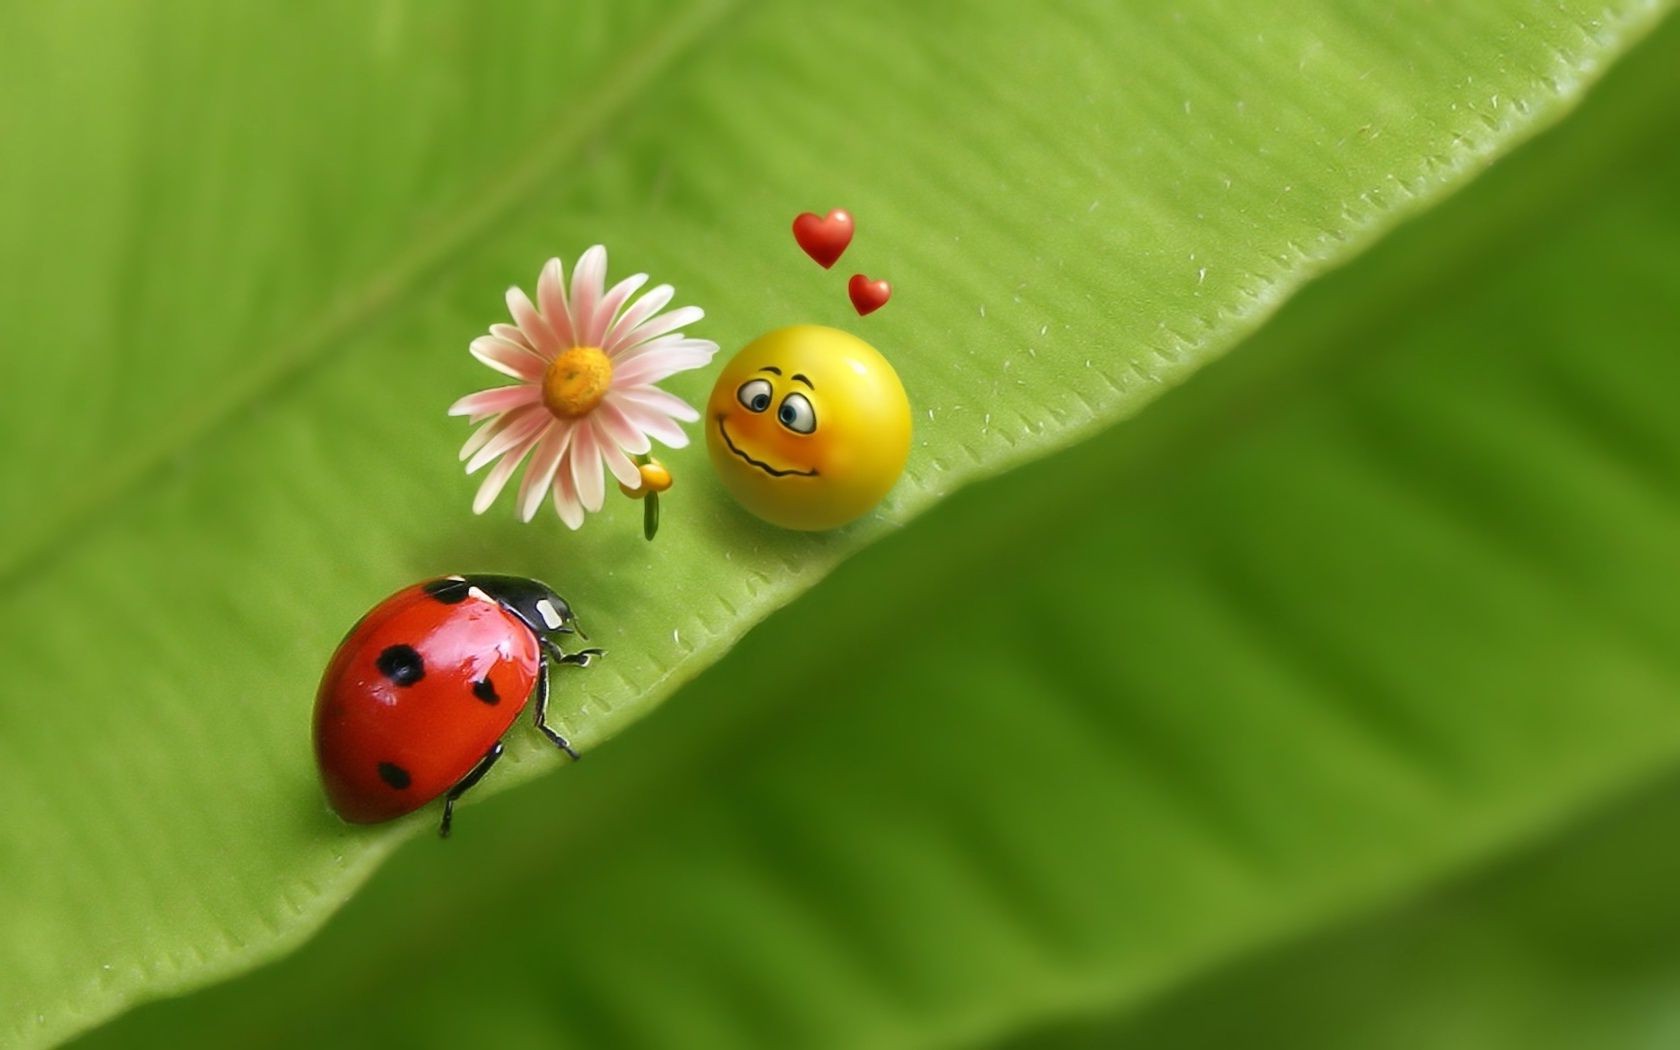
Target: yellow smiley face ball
x=808, y=427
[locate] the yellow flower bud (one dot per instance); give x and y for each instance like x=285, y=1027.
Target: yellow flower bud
x=655, y=478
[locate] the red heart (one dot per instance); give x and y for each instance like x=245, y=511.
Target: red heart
x=868, y=296
x=824, y=239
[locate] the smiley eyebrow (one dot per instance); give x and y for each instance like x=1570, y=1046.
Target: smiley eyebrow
x=771, y=368
x=802, y=379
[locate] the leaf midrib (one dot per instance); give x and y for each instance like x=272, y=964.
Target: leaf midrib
x=482, y=210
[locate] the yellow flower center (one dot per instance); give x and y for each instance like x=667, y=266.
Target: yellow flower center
x=576, y=381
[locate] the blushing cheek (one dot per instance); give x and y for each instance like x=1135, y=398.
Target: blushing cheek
x=822, y=454
x=752, y=429
x=787, y=450
x=734, y=417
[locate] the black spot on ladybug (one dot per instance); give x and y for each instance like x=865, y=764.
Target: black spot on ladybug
x=394, y=775
x=448, y=590
x=485, y=690
x=401, y=664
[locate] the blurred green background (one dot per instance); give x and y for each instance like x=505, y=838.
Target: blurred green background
x=1333, y=700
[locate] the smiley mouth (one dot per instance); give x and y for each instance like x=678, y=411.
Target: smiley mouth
x=767, y=468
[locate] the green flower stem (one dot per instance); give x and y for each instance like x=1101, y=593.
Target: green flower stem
x=650, y=503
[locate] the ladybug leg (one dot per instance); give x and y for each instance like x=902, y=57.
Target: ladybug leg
x=581, y=658
x=540, y=715
x=472, y=777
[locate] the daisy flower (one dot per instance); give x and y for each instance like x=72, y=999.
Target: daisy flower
x=585, y=401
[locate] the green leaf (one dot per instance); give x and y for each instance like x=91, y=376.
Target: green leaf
x=1566, y=944
x=1388, y=599
x=244, y=251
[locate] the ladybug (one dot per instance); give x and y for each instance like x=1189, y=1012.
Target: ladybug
x=416, y=699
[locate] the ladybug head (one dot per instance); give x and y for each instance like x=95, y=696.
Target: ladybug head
x=533, y=601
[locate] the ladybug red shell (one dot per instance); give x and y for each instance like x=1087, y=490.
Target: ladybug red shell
x=417, y=698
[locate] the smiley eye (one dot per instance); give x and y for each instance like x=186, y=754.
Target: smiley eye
x=797, y=414
x=755, y=394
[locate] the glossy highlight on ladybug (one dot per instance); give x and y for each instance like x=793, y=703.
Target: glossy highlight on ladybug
x=417, y=698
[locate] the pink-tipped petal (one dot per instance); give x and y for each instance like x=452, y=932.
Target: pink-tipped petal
x=664, y=324
x=566, y=501
x=508, y=358
x=480, y=436
x=498, y=399
x=510, y=333
x=660, y=401
x=611, y=304
x=589, y=277
x=617, y=429
x=551, y=299
x=537, y=331
x=652, y=422
x=617, y=462
x=644, y=308
x=544, y=462
x=586, y=468
x=498, y=477
x=523, y=423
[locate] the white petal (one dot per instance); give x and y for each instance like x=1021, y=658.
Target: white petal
x=617, y=462
x=537, y=331
x=499, y=399
x=586, y=468
x=654, y=423
x=644, y=308
x=659, y=401
x=611, y=304
x=666, y=361
x=551, y=299
x=663, y=343
x=522, y=423
x=565, y=499
x=616, y=427
x=588, y=278
x=663, y=325
x=544, y=462
x=508, y=358
x=498, y=477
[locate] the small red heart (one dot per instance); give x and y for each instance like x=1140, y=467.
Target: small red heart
x=824, y=240
x=868, y=296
